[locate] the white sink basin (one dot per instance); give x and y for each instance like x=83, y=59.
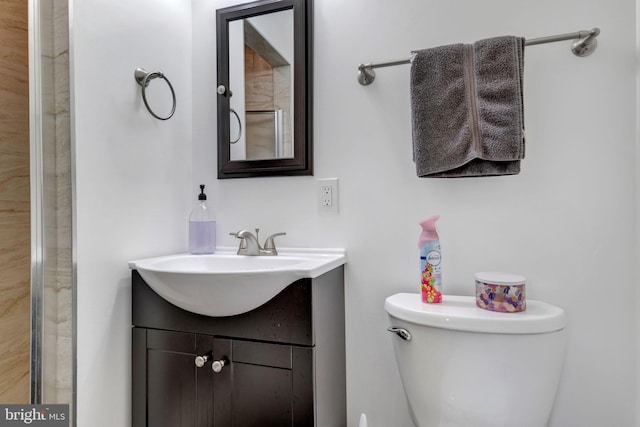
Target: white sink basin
x=226, y=284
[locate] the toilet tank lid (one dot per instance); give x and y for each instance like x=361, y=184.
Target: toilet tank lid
x=461, y=313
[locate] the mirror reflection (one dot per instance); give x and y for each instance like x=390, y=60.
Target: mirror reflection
x=264, y=65
x=261, y=81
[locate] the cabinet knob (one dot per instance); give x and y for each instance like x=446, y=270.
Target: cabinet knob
x=217, y=365
x=201, y=360
x=222, y=90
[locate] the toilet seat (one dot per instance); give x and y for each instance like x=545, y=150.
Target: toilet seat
x=461, y=313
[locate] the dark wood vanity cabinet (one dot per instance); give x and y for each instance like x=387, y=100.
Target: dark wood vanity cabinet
x=284, y=362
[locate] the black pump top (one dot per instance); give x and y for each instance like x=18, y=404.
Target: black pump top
x=202, y=196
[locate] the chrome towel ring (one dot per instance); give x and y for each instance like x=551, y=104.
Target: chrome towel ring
x=222, y=90
x=232, y=111
x=143, y=78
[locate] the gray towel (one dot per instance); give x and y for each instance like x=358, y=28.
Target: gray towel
x=467, y=108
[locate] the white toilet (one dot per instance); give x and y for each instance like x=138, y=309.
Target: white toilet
x=462, y=366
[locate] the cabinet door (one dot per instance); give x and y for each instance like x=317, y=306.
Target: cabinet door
x=264, y=385
x=176, y=392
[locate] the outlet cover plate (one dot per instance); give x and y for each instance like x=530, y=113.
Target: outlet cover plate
x=327, y=193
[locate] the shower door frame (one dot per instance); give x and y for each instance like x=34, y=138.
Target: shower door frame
x=37, y=112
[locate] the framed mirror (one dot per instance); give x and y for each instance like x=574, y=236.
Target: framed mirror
x=264, y=57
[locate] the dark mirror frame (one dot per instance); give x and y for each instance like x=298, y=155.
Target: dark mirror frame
x=302, y=162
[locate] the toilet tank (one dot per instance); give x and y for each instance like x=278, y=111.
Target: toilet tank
x=465, y=366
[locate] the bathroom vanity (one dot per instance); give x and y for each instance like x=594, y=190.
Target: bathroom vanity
x=281, y=364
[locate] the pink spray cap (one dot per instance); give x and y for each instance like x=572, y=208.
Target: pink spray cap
x=428, y=230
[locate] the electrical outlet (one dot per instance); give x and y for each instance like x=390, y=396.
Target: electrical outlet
x=328, y=195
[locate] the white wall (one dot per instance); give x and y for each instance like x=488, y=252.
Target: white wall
x=133, y=181
x=238, y=149
x=637, y=209
x=567, y=222
x=277, y=29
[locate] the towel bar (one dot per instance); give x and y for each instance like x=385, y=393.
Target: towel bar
x=584, y=44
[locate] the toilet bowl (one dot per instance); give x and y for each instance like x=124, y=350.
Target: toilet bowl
x=462, y=366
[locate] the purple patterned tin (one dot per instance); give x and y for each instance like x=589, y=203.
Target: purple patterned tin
x=501, y=292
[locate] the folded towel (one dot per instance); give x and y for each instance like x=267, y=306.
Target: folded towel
x=467, y=108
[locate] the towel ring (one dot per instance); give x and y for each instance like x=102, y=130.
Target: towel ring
x=239, y=126
x=222, y=90
x=143, y=78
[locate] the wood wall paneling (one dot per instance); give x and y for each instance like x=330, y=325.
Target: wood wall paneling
x=15, y=241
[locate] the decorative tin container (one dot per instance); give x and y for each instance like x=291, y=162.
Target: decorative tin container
x=502, y=292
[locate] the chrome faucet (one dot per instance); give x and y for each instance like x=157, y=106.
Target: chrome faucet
x=250, y=244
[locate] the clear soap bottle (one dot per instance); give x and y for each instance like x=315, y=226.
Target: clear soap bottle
x=202, y=227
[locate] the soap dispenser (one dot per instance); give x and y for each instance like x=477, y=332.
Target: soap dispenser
x=202, y=227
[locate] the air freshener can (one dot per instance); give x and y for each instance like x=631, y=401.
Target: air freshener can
x=431, y=280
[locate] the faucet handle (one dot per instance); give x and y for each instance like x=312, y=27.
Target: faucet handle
x=270, y=245
x=242, y=248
